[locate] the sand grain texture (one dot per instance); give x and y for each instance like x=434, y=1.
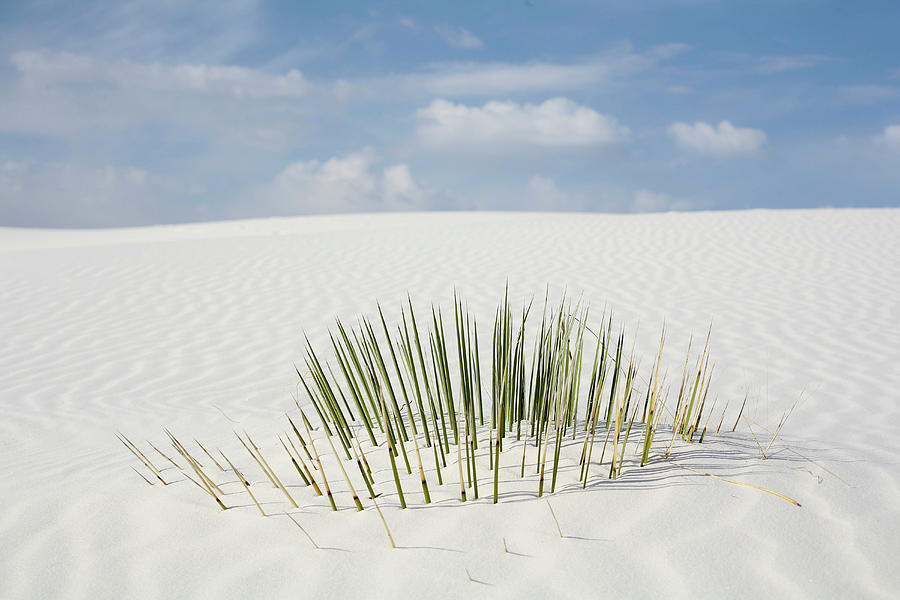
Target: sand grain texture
x=141, y=329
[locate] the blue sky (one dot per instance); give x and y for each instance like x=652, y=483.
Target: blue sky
x=143, y=112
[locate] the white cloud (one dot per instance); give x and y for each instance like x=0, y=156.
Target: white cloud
x=53, y=68
x=558, y=122
x=337, y=185
x=399, y=190
x=891, y=137
x=723, y=140
x=409, y=23
x=341, y=184
x=647, y=201
x=461, y=37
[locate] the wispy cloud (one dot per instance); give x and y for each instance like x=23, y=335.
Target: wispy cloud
x=83, y=99
x=722, y=140
x=409, y=23
x=771, y=64
x=868, y=93
x=46, y=68
x=459, y=37
x=205, y=31
x=485, y=78
x=768, y=65
x=558, y=122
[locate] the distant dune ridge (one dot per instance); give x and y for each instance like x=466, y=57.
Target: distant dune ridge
x=193, y=329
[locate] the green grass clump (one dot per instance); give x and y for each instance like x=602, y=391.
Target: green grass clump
x=547, y=383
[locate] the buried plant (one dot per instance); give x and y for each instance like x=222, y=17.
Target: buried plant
x=428, y=387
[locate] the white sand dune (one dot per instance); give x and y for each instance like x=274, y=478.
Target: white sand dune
x=141, y=329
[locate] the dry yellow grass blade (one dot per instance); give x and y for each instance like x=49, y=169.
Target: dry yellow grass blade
x=206, y=489
x=138, y=450
x=743, y=483
x=243, y=479
x=142, y=476
x=362, y=470
x=384, y=522
x=258, y=462
x=356, y=500
x=194, y=463
x=312, y=443
x=278, y=483
x=365, y=461
x=801, y=454
x=755, y=438
x=240, y=476
x=139, y=455
x=781, y=424
x=297, y=431
x=555, y=520
x=165, y=456
x=205, y=451
x=202, y=473
x=312, y=541
x=309, y=476
x=422, y=471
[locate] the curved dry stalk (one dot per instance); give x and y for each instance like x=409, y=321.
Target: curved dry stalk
x=743, y=483
x=384, y=522
x=802, y=455
x=555, y=520
x=244, y=482
x=312, y=541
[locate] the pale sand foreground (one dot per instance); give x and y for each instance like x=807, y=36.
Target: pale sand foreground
x=148, y=328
